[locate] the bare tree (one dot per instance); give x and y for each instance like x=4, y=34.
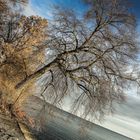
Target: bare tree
x=90, y=54
x=87, y=55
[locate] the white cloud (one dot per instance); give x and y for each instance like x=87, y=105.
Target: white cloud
x=126, y=119
x=123, y=125
x=29, y=10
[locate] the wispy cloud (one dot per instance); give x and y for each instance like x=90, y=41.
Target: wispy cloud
x=34, y=8
x=29, y=10
x=126, y=119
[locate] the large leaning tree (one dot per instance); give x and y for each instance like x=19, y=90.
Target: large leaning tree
x=89, y=54
x=84, y=56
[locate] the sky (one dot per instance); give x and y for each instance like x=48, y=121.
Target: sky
x=44, y=7
x=136, y=4
x=123, y=121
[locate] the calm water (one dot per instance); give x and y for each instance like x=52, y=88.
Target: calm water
x=55, y=124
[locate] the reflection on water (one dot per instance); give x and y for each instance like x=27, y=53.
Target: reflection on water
x=60, y=125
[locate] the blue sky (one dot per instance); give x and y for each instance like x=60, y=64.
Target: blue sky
x=44, y=7
x=136, y=10
x=76, y=4
x=136, y=5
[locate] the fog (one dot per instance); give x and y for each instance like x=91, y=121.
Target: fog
x=126, y=119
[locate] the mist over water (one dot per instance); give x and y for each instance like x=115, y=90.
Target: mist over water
x=126, y=119
x=55, y=124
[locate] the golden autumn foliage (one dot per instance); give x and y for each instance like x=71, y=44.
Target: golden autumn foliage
x=23, y=116
x=20, y=39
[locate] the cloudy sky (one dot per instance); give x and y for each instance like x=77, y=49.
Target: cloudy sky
x=44, y=7
x=127, y=118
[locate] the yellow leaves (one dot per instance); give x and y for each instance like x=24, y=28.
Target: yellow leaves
x=31, y=121
x=9, y=49
x=23, y=57
x=22, y=115
x=32, y=30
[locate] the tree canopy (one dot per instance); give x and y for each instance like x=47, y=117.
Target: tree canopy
x=82, y=55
